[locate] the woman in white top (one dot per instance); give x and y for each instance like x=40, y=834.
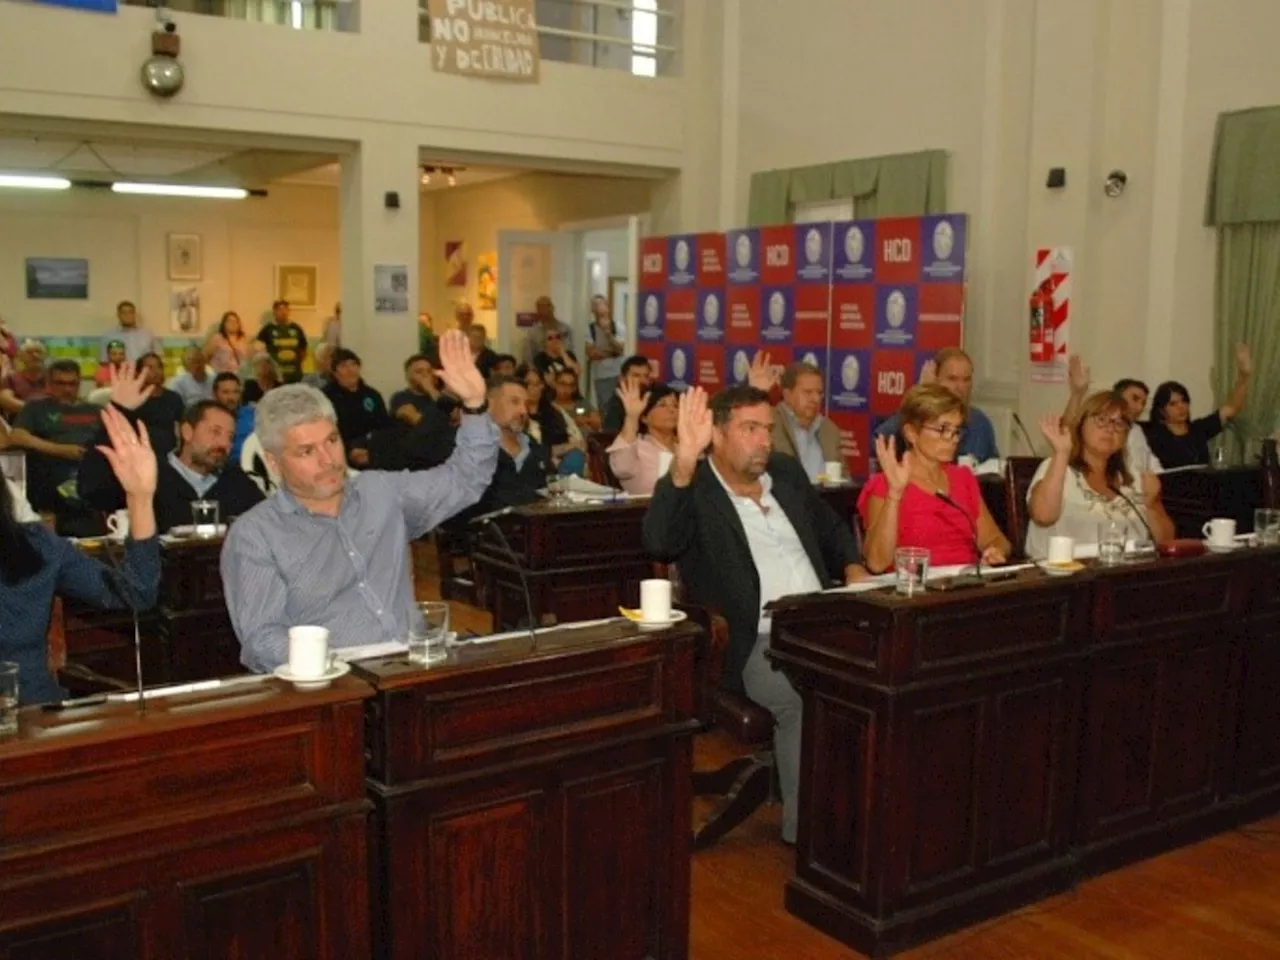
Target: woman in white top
x=644, y=448
x=1087, y=481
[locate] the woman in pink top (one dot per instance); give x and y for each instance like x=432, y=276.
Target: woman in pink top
x=649, y=430
x=923, y=499
x=116, y=356
x=228, y=346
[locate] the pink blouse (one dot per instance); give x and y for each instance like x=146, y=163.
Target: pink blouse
x=925, y=521
x=637, y=465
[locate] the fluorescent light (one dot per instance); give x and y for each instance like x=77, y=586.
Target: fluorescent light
x=181, y=190
x=33, y=183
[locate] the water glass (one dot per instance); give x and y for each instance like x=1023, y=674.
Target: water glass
x=1111, y=540
x=204, y=519
x=428, y=629
x=8, y=698
x=1266, y=527
x=910, y=569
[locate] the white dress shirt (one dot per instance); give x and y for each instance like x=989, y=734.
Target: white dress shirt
x=1138, y=452
x=780, y=558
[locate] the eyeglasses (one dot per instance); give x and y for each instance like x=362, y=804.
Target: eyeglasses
x=1114, y=424
x=946, y=432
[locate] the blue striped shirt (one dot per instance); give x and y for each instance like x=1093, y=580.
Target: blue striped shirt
x=284, y=566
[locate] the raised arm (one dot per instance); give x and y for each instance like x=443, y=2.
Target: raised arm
x=1078, y=378
x=670, y=524
x=882, y=512
x=1239, y=392
x=1044, y=504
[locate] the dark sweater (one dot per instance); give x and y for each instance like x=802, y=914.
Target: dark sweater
x=360, y=412
x=161, y=414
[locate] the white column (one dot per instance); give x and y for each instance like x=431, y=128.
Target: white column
x=372, y=233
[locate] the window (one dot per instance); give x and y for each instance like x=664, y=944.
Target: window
x=644, y=38
x=821, y=211
x=295, y=14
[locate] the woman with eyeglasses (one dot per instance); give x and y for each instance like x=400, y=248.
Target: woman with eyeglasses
x=1179, y=441
x=1087, y=481
x=920, y=497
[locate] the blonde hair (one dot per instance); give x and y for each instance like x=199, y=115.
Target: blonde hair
x=926, y=402
x=1097, y=404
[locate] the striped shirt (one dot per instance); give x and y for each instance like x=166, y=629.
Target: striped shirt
x=284, y=566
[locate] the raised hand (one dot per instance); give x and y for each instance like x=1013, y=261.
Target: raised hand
x=130, y=455
x=762, y=376
x=896, y=472
x=633, y=401
x=693, y=427
x=1059, y=436
x=1244, y=360
x=129, y=388
x=1077, y=374
x=929, y=372
x=458, y=369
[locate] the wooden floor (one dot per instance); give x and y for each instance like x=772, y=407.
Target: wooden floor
x=1217, y=900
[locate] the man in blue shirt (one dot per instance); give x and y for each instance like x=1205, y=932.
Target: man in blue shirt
x=953, y=369
x=331, y=550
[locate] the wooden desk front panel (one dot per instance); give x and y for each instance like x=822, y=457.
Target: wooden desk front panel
x=1256, y=778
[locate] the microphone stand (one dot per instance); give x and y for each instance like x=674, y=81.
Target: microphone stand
x=121, y=579
x=1136, y=512
x=487, y=523
x=1026, y=434
x=974, y=579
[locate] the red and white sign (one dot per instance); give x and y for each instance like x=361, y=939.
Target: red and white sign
x=1049, y=315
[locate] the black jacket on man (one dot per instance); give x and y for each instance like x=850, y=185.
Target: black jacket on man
x=697, y=527
x=360, y=412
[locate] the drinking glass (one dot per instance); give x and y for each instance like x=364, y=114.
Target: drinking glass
x=910, y=569
x=1266, y=527
x=428, y=629
x=1111, y=540
x=8, y=698
x=204, y=518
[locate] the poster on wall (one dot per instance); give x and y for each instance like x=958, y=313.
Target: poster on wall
x=455, y=263
x=390, y=288
x=185, y=256
x=1050, y=315
x=497, y=39
x=57, y=278
x=487, y=281
x=530, y=279
x=867, y=302
x=184, y=309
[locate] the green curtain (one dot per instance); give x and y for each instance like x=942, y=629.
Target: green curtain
x=1247, y=310
x=902, y=185
x=1244, y=174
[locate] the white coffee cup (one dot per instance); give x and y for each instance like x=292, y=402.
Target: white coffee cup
x=655, y=600
x=834, y=470
x=664, y=463
x=308, y=651
x=1220, y=532
x=1061, y=550
x=118, y=524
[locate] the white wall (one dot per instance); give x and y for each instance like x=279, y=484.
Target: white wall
x=125, y=240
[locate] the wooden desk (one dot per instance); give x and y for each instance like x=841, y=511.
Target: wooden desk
x=228, y=827
x=1193, y=497
x=967, y=752
x=535, y=805
x=582, y=562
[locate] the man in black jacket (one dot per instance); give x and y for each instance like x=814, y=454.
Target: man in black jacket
x=746, y=527
x=360, y=408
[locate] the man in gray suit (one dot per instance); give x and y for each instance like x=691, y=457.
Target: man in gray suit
x=800, y=430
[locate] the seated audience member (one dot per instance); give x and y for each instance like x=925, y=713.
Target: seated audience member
x=484, y=357
x=200, y=469
x=195, y=382
x=115, y=360
x=900, y=506
x=800, y=430
x=644, y=447
x=557, y=434
x=260, y=375
x=322, y=357
x=360, y=408
x=567, y=396
x=1134, y=393
x=227, y=391
x=1179, y=441
x=161, y=408
x=36, y=565
x=635, y=371
x=553, y=358
x=746, y=527
x=535, y=340
x=27, y=379
x=423, y=393
x=504, y=365
x=464, y=317
x=522, y=464
x=138, y=341
x=287, y=561
x=953, y=369
x=8, y=342
x=55, y=431
x=227, y=346
x=1087, y=481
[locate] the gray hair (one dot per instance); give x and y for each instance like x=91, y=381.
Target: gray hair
x=287, y=407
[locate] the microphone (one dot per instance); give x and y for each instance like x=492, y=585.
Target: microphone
x=128, y=592
x=1134, y=507
x=1026, y=434
x=976, y=578
x=486, y=522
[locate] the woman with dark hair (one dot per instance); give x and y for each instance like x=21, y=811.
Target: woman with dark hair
x=36, y=565
x=1088, y=482
x=1179, y=441
x=227, y=346
x=636, y=456
x=549, y=426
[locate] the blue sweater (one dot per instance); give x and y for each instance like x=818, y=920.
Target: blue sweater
x=25, y=607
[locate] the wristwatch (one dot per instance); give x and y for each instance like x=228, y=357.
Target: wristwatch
x=475, y=411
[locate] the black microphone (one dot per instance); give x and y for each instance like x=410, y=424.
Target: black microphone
x=131, y=594
x=961, y=580
x=486, y=521
x=1134, y=507
x=1026, y=434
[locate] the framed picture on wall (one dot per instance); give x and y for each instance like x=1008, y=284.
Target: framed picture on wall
x=186, y=256
x=298, y=283
x=57, y=278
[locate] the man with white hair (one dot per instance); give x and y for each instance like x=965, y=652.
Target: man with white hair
x=332, y=550
x=195, y=382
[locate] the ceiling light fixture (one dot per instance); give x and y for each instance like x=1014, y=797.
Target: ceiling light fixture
x=452, y=180
x=425, y=179
x=181, y=190
x=28, y=182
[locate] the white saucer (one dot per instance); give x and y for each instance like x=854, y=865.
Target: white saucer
x=1055, y=571
x=677, y=616
x=1222, y=548
x=338, y=669
x=188, y=531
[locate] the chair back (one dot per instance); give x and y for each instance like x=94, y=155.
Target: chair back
x=1018, y=472
x=598, y=469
